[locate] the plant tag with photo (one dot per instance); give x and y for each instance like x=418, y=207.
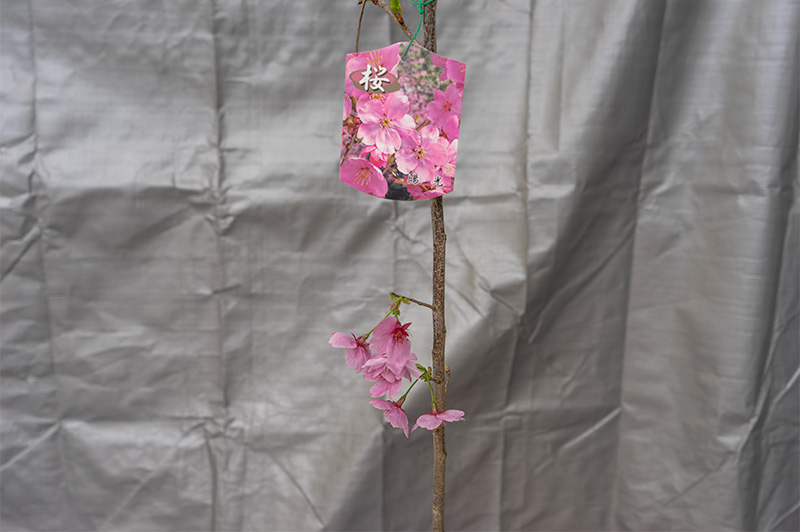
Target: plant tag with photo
x=400, y=122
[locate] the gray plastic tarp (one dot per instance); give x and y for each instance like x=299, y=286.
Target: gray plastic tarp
x=622, y=269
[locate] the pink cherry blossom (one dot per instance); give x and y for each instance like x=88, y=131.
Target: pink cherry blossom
x=410, y=370
x=456, y=71
x=420, y=154
x=443, y=182
x=426, y=192
x=392, y=338
x=451, y=126
x=376, y=156
x=448, y=169
x=387, y=375
x=357, y=349
x=384, y=123
x=393, y=413
x=380, y=367
x=364, y=176
x=445, y=104
x=383, y=387
x=348, y=107
x=434, y=419
x=387, y=378
x=441, y=62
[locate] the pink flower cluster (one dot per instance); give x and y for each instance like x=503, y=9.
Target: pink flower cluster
x=385, y=361
x=402, y=144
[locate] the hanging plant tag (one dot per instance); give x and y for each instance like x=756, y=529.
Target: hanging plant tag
x=400, y=122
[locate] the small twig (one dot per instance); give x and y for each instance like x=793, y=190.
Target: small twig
x=358, y=29
x=420, y=303
x=385, y=6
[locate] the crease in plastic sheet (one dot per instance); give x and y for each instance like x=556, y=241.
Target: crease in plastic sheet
x=622, y=272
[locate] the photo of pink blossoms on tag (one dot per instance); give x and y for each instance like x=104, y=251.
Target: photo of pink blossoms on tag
x=400, y=122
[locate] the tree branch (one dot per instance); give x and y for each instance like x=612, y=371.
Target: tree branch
x=439, y=330
x=385, y=6
x=358, y=29
x=420, y=303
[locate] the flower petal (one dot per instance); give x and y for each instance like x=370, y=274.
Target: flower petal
x=425, y=170
x=434, y=111
x=357, y=357
x=405, y=123
x=379, y=388
x=383, y=387
x=367, y=132
x=450, y=127
x=451, y=415
x=436, y=154
x=429, y=134
x=396, y=105
x=348, y=107
x=399, y=354
x=411, y=371
x=406, y=161
x=380, y=404
x=452, y=94
x=342, y=340
x=456, y=71
x=361, y=175
x=412, y=140
x=378, y=186
x=370, y=111
x=428, y=421
x=388, y=140
x=382, y=336
x=397, y=417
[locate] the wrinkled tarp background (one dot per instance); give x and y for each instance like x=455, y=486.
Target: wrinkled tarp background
x=622, y=269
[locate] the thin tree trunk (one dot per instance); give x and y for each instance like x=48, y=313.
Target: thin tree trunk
x=439, y=374
x=439, y=330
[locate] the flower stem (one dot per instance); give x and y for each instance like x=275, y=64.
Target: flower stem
x=433, y=399
x=403, y=398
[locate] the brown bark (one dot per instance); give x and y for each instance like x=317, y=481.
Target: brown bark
x=439, y=329
x=358, y=28
x=438, y=370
